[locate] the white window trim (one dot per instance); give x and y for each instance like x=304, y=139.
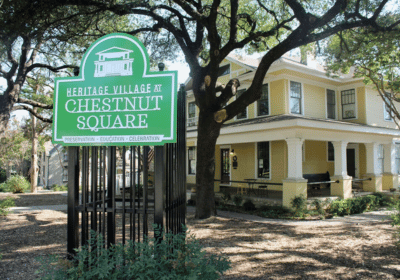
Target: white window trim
x=397, y=147
x=269, y=104
x=247, y=109
x=326, y=104
x=355, y=104
x=381, y=159
x=302, y=109
x=195, y=109
x=256, y=162
x=384, y=110
x=187, y=157
x=230, y=165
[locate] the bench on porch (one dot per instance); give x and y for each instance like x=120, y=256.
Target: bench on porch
x=315, y=180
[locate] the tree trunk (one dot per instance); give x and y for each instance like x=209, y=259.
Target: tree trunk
x=34, y=162
x=208, y=132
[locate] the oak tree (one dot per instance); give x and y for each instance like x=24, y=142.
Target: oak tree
x=207, y=31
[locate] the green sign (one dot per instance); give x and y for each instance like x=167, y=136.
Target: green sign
x=116, y=100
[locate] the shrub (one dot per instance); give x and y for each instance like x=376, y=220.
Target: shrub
x=273, y=211
x=318, y=206
x=339, y=207
x=226, y=196
x=248, y=205
x=59, y=188
x=237, y=199
x=17, y=184
x=3, y=187
x=175, y=257
x=299, y=205
x=5, y=205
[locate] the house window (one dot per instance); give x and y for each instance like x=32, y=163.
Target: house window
x=192, y=160
x=262, y=103
x=331, y=104
x=263, y=160
x=192, y=120
x=192, y=110
x=65, y=156
x=397, y=157
x=295, y=98
x=380, y=159
x=331, y=152
x=243, y=114
x=387, y=110
x=349, y=104
x=224, y=70
x=65, y=174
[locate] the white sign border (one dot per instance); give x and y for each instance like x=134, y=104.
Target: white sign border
x=153, y=74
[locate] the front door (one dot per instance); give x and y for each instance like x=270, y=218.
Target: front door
x=225, y=166
x=351, y=162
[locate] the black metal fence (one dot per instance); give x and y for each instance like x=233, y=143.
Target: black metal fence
x=121, y=192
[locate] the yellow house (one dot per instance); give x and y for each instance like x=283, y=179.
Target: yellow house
x=304, y=123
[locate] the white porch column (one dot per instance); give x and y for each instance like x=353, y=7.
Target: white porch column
x=389, y=162
x=343, y=186
x=372, y=158
x=340, y=158
x=375, y=185
x=389, y=177
x=295, y=158
x=295, y=184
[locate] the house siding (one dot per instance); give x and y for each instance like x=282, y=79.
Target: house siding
x=314, y=101
x=278, y=97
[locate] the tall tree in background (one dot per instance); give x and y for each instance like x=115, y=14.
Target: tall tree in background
x=39, y=36
x=375, y=57
x=37, y=89
x=207, y=31
x=15, y=149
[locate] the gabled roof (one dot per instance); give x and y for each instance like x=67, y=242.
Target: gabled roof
x=287, y=61
x=245, y=61
x=114, y=50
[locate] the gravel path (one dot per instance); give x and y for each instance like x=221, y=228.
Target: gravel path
x=353, y=247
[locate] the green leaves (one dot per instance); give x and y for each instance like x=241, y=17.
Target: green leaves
x=175, y=257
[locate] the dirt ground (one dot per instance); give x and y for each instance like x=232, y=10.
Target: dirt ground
x=304, y=250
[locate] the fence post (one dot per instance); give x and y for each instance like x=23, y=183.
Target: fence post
x=73, y=200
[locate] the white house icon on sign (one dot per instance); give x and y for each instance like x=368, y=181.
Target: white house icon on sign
x=113, y=62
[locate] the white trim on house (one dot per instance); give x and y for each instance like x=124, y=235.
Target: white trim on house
x=221, y=147
x=355, y=103
x=269, y=104
x=326, y=103
x=384, y=110
x=256, y=161
x=302, y=109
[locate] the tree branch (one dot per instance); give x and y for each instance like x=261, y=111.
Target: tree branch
x=35, y=103
x=30, y=110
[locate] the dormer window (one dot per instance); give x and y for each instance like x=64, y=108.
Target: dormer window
x=349, y=104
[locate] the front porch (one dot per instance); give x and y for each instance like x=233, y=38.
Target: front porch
x=275, y=197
